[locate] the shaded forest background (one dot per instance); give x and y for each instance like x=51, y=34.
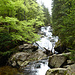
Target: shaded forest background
x=63, y=23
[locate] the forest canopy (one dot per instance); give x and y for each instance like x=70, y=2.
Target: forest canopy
x=63, y=21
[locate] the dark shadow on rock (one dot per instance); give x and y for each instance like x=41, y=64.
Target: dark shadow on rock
x=61, y=49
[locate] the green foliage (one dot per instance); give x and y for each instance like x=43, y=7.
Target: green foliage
x=19, y=20
x=6, y=53
x=72, y=57
x=63, y=21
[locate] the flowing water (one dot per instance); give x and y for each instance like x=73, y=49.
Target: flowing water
x=48, y=41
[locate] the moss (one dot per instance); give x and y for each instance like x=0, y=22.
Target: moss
x=65, y=73
x=72, y=56
x=7, y=70
x=57, y=71
x=33, y=59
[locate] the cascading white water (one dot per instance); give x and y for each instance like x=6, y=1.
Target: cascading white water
x=47, y=41
x=44, y=42
x=44, y=67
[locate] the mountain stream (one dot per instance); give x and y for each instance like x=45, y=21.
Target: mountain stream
x=48, y=41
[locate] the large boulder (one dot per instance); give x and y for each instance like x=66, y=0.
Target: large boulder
x=38, y=55
x=61, y=49
x=57, y=71
x=18, y=59
x=58, y=60
x=23, y=58
x=69, y=70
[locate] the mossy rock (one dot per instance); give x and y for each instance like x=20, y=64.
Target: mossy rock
x=57, y=71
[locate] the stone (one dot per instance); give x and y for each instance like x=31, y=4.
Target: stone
x=14, y=63
x=28, y=47
x=57, y=71
x=37, y=65
x=18, y=58
x=71, y=69
x=60, y=49
x=20, y=63
x=38, y=55
x=42, y=33
x=23, y=58
x=52, y=40
x=48, y=52
x=70, y=62
x=58, y=60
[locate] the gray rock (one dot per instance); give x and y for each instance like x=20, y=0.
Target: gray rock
x=57, y=60
x=14, y=63
x=37, y=65
x=20, y=63
x=23, y=58
x=28, y=47
x=70, y=62
x=71, y=69
x=52, y=40
x=57, y=71
x=48, y=52
x=18, y=59
x=38, y=55
x=42, y=33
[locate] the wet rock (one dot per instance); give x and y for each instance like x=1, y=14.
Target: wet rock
x=14, y=63
x=18, y=59
x=60, y=49
x=48, y=52
x=20, y=63
x=37, y=55
x=42, y=33
x=68, y=70
x=50, y=30
x=28, y=47
x=52, y=40
x=58, y=60
x=57, y=71
x=23, y=58
x=37, y=65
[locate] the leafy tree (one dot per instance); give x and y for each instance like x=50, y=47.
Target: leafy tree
x=19, y=20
